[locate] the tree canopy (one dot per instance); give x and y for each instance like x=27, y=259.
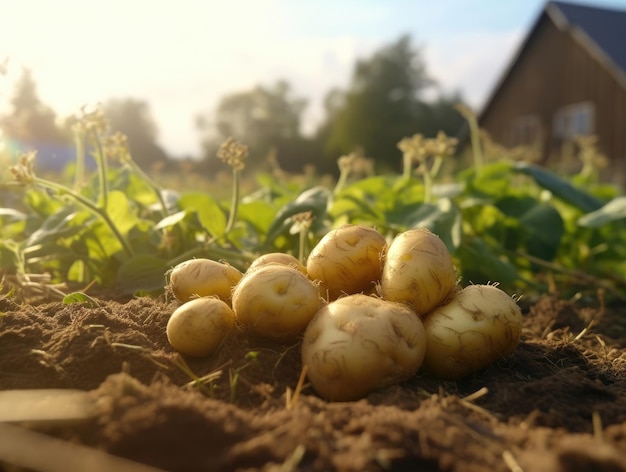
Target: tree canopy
x=30, y=121
x=384, y=103
x=266, y=118
x=134, y=118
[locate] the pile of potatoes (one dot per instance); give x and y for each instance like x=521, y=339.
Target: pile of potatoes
x=369, y=313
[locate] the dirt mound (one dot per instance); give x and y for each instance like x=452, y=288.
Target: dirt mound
x=557, y=404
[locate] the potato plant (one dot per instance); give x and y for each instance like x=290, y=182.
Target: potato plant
x=507, y=221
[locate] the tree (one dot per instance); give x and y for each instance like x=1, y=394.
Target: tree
x=30, y=122
x=382, y=105
x=267, y=119
x=134, y=119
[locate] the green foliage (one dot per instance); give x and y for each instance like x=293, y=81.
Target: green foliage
x=30, y=120
x=134, y=119
x=267, y=119
x=513, y=223
x=383, y=103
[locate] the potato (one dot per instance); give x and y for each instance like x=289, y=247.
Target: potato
x=203, y=277
x=479, y=325
x=360, y=343
x=277, y=258
x=347, y=260
x=197, y=328
x=276, y=301
x=418, y=271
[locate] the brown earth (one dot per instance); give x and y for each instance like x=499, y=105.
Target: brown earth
x=557, y=404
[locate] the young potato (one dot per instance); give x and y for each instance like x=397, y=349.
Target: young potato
x=360, y=343
x=276, y=301
x=418, y=271
x=203, y=277
x=479, y=325
x=347, y=260
x=277, y=258
x=197, y=328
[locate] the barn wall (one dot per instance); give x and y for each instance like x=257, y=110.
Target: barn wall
x=555, y=70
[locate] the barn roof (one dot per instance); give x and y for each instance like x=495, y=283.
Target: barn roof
x=601, y=30
x=605, y=28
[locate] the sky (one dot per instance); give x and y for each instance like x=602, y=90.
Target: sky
x=182, y=56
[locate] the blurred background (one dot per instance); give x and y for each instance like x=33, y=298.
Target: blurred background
x=300, y=82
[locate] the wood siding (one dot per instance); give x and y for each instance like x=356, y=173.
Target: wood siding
x=554, y=70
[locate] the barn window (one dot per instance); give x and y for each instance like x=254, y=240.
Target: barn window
x=526, y=130
x=574, y=120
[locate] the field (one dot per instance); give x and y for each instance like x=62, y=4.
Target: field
x=85, y=303
x=557, y=404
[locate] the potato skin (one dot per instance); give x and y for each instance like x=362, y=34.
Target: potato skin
x=360, y=343
x=347, y=260
x=198, y=327
x=203, y=277
x=478, y=326
x=276, y=301
x=418, y=271
x=277, y=258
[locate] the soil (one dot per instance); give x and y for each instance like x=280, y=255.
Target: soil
x=557, y=404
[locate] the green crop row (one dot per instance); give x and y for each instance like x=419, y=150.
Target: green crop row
x=503, y=221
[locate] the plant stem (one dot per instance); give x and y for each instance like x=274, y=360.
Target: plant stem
x=406, y=166
x=428, y=183
x=304, y=232
x=436, y=167
x=341, y=181
x=476, y=147
x=234, y=203
x=583, y=277
x=79, y=140
x=89, y=205
x=102, y=170
x=151, y=183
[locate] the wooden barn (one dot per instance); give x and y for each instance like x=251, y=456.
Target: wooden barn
x=567, y=79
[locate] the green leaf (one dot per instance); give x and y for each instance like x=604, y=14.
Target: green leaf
x=170, y=220
x=210, y=214
x=448, y=190
x=479, y=264
x=143, y=272
x=559, y=187
x=612, y=211
x=42, y=203
x=79, y=297
x=442, y=218
x=120, y=211
x=494, y=180
x=64, y=224
x=314, y=200
x=545, y=228
x=355, y=206
x=259, y=214
x=541, y=224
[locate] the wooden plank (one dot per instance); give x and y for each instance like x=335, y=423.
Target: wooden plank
x=45, y=406
x=40, y=453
